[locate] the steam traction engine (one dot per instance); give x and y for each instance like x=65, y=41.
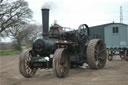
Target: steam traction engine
x=60, y=50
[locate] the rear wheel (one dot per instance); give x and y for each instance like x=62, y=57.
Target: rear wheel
x=126, y=55
x=96, y=54
x=24, y=66
x=110, y=57
x=61, y=64
x=122, y=54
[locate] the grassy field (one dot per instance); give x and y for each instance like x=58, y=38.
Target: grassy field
x=9, y=52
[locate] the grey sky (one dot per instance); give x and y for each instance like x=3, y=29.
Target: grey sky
x=72, y=13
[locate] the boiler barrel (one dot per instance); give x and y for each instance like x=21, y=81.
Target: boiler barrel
x=44, y=47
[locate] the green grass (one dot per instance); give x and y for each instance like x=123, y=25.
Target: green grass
x=9, y=52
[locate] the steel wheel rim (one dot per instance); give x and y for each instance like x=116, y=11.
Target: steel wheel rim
x=65, y=66
x=61, y=63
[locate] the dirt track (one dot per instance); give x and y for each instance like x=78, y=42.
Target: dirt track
x=114, y=73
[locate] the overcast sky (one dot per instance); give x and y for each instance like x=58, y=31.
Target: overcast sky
x=72, y=13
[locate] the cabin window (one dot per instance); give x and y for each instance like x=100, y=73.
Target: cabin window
x=115, y=29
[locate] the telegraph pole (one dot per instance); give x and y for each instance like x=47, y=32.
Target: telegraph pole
x=121, y=15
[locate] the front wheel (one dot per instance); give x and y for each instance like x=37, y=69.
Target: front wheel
x=24, y=66
x=61, y=63
x=96, y=54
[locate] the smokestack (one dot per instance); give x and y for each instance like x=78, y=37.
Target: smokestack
x=45, y=22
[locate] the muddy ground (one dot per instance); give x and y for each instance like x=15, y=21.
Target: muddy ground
x=114, y=73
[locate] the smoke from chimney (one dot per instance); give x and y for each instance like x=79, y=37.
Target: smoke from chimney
x=48, y=5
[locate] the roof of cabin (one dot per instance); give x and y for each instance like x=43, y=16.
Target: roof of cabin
x=103, y=25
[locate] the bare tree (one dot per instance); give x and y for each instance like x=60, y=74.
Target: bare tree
x=27, y=33
x=17, y=34
x=36, y=32
x=13, y=13
x=1, y=1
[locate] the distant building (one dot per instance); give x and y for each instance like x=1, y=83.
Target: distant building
x=115, y=35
